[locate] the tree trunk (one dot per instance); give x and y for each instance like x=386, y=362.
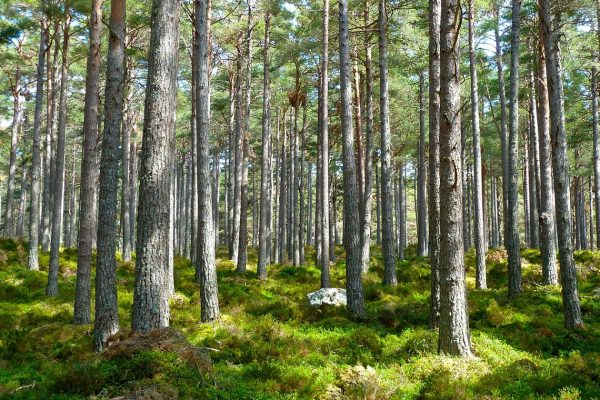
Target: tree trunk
x=265, y=184
x=59, y=181
x=354, y=287
x=421, y=175
x=596, y=130
x=283, y=196
x=434, y=160
x=534, y=229
x=454, y=322
x=239, y=141
x=243, y=240
x=547, y=209
x=12, y=166
x=324, y=262
x=387, y=199
x=479, y=222
x=568, y=270
x=127, y=125
x=23, y=203
x=150, y=296
x=87, y=191
x=209, y=301
x=513, y=243
x=107, y=317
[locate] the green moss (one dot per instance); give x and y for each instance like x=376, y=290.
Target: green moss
x=270, y=344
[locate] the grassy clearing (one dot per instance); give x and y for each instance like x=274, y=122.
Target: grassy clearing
x=271, y=345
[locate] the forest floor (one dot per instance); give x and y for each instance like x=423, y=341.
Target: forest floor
x=270, y=344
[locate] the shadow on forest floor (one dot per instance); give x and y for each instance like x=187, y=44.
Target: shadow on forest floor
x=270, y=344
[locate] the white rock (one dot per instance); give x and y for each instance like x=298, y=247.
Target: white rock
x=331, y=296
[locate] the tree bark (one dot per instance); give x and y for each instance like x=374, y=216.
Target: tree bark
x=479, y=222
x=547, y=209
x=422, y=240
x=87, y=191
x=150, y=297
x=534, y=229
x=107, y=317
x=239, y=141
x=209, y=301
x=513, y=243
x=265, y=184
x=12, y=166
x=387, y=200
x=568, y=270
x=434, y=160
x=596, y=151
x=324, y=262
x=454, y=322
x=354, y=287
x=59, y=174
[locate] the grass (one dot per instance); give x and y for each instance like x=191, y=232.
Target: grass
x=270, y=344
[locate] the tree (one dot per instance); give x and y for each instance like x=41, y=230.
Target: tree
x=209, y=300
x=421, y=175
x=354, y=288
x=87, y=214
x=106, y=321
x=547, y=210
x=568, y=272
x=454, y=322
x=150, y=297
x=59, y=182
x=480, y=279
x=513, y=244
x=387, y=200
x=324, y=133
x=34, y=210
x=434, y=160
x=265, y=188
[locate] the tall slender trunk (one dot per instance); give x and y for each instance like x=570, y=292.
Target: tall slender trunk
x=503, y=118
x=87, y=191
x=125, y=227
x=513, y=243
x=422, y=240
x=12, y=166
x=324, y=262
x=265, y=185
x=434, y=160
x=283, y=196
x=107, y=317
x=596, y=150
x=547, y=209
x=59, y=174
x=34, y=211
x=209, y=301
x=387, y=200
x=301, y=212
x=568, y=271
x=534, y=228
x=243, y=240
x=479, y=222
x=354, y=287
x=454, y=322
x=239, y=141
x=368, y=162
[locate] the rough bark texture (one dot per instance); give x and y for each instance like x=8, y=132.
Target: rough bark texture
x=59, y=174
x=596, y=152
x=354, y=287
x=238, y=151
x=512, y=241
x=125, y=195
x=387, y=199
x=547, y=210
x=209, y=300
x=568, y=269
x=324, y=133
x=107, y=318
x=503, y=118
x=150, y=297
x=34, y=210
x=12, y=166
x=534, y=228
x=89, y=173
x=454, y=322
x=421, y=175
x=434, y=160
x=479, y=222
